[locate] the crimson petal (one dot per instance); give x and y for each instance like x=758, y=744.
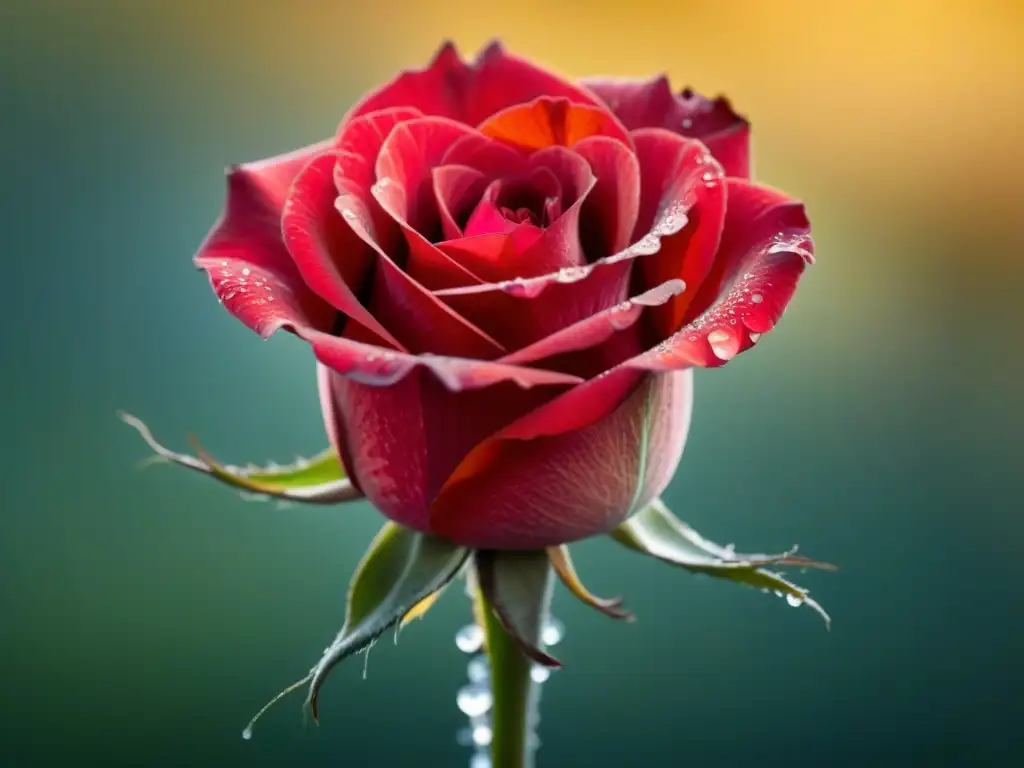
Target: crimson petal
x=469, y=93
x=674, y=170
x=613, y=205
x=651, y=104
x=401, y=469
x=457, y=188
x=595, y=330
x=244, y=255
x=332, y=259
x=766, y=246
x=536, y=484
x=411, y=313
x=521, y=311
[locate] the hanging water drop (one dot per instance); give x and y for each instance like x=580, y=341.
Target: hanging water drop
x=470, y=639
x=247, y=733
x=539, y=674
x=478, y=670
x=482, y=735
x=474, y=699
x=553, y=632
x=794, y=600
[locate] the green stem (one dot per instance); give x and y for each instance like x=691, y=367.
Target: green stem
x=513, y=691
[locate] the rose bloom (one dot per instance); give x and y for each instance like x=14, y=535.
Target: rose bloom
x=507, y=279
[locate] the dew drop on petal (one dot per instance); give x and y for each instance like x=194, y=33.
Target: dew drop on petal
x=474, y=699
x=757, y=298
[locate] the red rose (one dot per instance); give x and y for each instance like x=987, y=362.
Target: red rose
x=506, y=278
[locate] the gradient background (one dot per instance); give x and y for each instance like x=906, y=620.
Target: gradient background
x=144, y=616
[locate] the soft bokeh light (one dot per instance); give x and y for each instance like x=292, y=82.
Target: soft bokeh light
x=147, y=615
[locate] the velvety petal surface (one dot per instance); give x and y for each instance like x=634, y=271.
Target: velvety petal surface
x=524, y=489
x=249, y=267
x=679, y=173
x=404, y=306
x=766, y=246
x=610, y=212
x=402, y=441
x=470, y=93
x=519, y=312
x=331, y=257
x=651, y=104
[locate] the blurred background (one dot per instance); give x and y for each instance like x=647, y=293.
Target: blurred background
x=145, y=616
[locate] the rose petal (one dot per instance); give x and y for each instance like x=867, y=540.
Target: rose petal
x=765, y=247
x=416, y=318
x=400, y=469
x=489, y=156
x=519, y=312
x=524, y=489
x=359, y=143
x=651, y=104
x=678, y=171
x=612, y=207
x=546, y=122
x=597, y=329
x=244, y=255
x=457, y=188
x=331, y=258
x=471, y=92
x=404, y=189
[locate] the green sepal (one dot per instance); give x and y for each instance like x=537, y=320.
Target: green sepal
x=400, y=570
x=655, y=531
x=318, y=480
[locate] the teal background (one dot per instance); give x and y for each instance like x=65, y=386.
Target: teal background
x=145, y=616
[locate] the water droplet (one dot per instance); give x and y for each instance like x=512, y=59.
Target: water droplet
x=794, y=600
x=553, y=632
x=687, y=123
x=349, y=214
x=778, y=593
x=754, y=337
x=470, y=639
x=464, y=737
x=718, y=340
x=482, y=735
x=708, y=176
x=246, y=271
x=478, y=670
x=757, y=298
x=539, y=673
x=247, y=733
x=474, y=699
x=480, y=760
